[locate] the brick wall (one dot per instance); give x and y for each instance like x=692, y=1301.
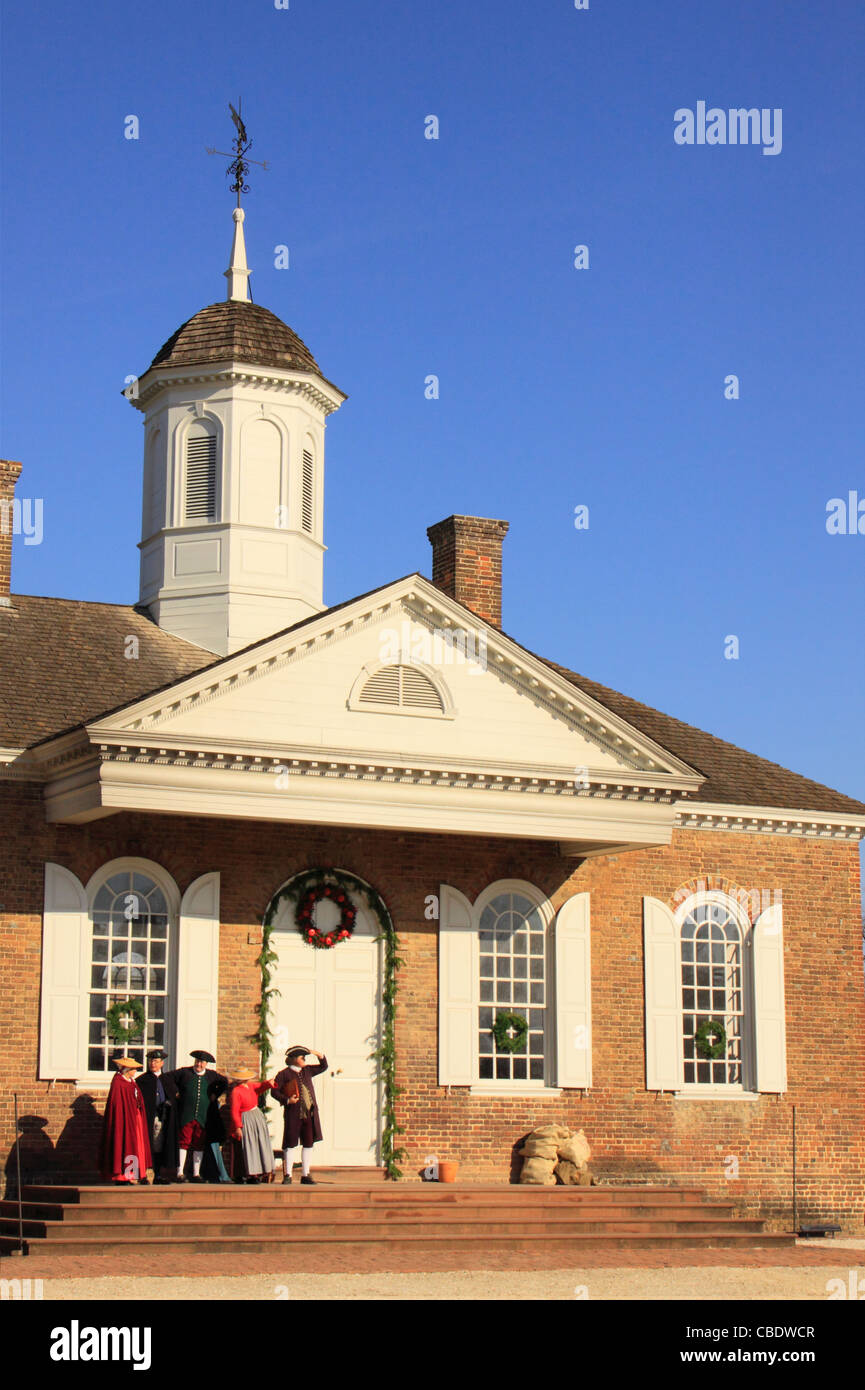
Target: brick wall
x=636, y=1136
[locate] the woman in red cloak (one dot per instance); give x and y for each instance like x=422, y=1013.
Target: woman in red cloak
x=125, y=1152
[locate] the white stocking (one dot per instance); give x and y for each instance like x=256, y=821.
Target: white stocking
x=305, y=1161
x=197, y=1156
x=287, y=1161
x=182, y=1156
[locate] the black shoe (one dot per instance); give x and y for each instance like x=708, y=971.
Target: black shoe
x=161, y=1182
x=286, y=1177
x=196, y=1177
x=308, y=1181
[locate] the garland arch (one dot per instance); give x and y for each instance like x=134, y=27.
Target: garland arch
x=295, y=891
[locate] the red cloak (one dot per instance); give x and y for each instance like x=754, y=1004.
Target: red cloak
x=124, y=1132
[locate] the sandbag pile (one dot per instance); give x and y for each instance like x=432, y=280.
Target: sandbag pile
x=553, y=1154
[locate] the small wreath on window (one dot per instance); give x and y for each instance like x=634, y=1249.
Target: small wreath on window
x=132, y=1009
x=711, y=1038
x=305, y=917
x=509, y=1031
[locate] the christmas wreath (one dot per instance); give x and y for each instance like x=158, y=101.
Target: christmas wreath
x=305, y=916
x=711, y=1038
x=118, y=1031
x=509, y=1031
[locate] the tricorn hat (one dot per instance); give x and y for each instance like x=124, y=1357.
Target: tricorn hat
x=156, y=1052
x=201, y=1056
x=297, y=1051
x=126, y=1063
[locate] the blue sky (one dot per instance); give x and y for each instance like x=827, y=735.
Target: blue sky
x=410, y=257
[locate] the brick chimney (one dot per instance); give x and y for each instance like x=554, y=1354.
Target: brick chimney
x=467, y=562
x=8, y=477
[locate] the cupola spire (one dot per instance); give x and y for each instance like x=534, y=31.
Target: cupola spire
x=237, y=273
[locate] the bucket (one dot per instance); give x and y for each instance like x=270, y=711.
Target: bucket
x=447, y=1170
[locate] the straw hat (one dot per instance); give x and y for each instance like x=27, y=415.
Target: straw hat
x=126, y=1063
x=243, y=1074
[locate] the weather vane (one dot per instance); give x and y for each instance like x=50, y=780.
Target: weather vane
x=239, y=165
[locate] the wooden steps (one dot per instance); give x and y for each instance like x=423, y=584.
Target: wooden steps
x=340, y=1218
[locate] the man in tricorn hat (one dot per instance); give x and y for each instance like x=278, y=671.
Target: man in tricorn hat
x=160, y=1101
x=199, y=1089
x=293, y=1088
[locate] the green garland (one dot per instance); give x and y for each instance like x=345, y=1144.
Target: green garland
x=711, y=1027
x=116, y=1030
x=504, y=1022
x=385, y=1055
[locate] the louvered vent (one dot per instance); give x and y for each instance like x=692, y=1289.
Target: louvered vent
x=306, y=506
x=201, y=478
x=401, y=687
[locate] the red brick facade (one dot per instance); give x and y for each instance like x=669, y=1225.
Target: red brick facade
x=635, y=1135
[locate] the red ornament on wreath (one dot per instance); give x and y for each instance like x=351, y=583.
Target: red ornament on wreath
x=305, y=917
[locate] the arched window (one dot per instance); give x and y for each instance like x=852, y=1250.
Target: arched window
x=131, y=947
x=199, y=500
x=512, y=941
x=713, y=988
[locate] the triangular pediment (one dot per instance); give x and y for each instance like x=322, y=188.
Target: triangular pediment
x=301, y=692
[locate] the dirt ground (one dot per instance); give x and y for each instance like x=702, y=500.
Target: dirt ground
x=804, y=1273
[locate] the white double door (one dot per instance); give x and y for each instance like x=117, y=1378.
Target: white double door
x=330, y=999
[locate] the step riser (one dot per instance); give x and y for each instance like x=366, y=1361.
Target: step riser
x=351, y=1230
x=338, y=1253
x=297, y=1213
x=208, y=1194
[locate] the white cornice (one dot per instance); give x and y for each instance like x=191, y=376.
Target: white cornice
x=770, y=820
x=315, y=388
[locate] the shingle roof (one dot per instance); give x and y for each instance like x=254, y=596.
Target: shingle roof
x=235, y=330
x=62, y=664
x=734, y=777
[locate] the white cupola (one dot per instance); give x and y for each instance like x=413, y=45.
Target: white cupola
x=234, y=408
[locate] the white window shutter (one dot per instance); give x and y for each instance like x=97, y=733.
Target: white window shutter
x=574, y=993
x=665, y=1069
x=458, y=972
x=65, y=971
x=770, y=1030
x=198, y=968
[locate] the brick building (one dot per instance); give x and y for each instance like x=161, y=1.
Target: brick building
x=583, y=888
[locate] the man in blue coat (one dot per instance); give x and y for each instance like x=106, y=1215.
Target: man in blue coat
x=293, y=1088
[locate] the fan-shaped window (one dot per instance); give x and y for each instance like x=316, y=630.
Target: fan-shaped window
x=200, y=493
x=401, y=687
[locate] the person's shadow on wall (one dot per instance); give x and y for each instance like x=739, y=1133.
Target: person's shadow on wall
x=77, y=1152
x=33, y=1151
